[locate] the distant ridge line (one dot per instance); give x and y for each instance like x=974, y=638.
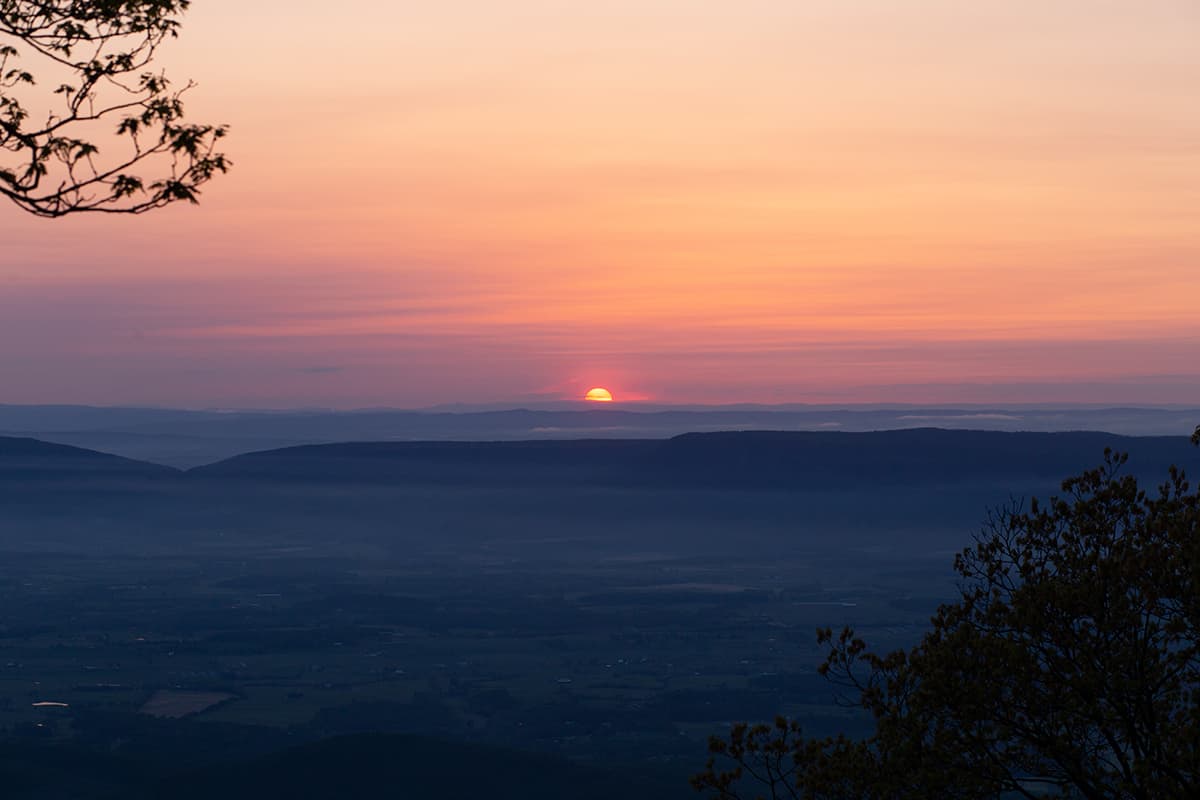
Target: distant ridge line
x=729, y=459
x=709, y=460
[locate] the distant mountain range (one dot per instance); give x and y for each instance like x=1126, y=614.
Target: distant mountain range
x=732, y=460
x=919, y=490
x=750, y=460
x=185, y=439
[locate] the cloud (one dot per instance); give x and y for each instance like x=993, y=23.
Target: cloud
x=926, y=417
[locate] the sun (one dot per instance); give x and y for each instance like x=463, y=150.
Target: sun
x=598, y=395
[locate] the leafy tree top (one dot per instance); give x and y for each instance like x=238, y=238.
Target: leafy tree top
x=109, y=133
x=1069, y=666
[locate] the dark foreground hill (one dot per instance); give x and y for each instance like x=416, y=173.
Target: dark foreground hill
x=370, y=766
x=361, y=767
x=30, y=459
x=733, y=460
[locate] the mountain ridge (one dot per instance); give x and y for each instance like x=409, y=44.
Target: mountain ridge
x=185, y=439
x=711, y=460
x=27, y=457
x=776, y=459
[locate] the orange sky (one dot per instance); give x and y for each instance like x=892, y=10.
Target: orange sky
x=760, y=201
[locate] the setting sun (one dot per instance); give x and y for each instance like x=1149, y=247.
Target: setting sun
x=598, y=395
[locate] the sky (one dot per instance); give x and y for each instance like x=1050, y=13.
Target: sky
x=768, y=201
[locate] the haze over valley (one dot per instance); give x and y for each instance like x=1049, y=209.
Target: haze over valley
x=612, y=602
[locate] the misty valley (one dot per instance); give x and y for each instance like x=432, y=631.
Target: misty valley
x=587, y=611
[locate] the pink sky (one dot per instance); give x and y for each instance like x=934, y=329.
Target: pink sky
x=760, y=201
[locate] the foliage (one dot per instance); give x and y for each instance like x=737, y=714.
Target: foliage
x=101, y=51
x=1069, y=666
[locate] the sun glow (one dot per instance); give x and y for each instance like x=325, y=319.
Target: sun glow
x=598, y=395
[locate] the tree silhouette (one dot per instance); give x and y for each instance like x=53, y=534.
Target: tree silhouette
x=1069, y=666
x=96, y=54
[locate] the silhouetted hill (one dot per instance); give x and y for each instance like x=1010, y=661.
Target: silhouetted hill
x=471, y=463
x=370, y=766
x=192, y=438
x=66, y=772
x=854, y=461
x=29, y=459
x=364, y=766
x=742, y=460
x=685, y=493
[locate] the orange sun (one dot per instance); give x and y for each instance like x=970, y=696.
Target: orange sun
x=598, y=395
